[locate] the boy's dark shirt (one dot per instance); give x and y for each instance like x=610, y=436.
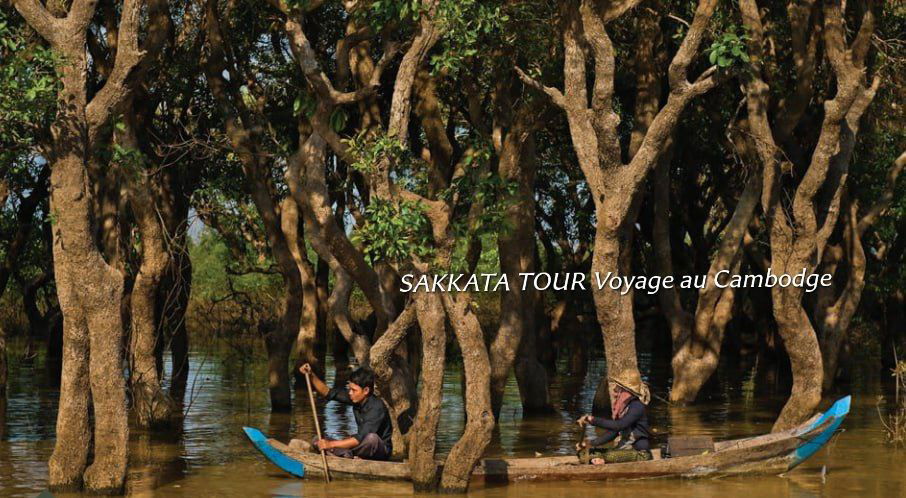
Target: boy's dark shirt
x=370, y=416
x=634, y=423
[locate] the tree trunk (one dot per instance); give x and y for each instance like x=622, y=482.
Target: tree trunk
x=24, y=222
x=833, y=320
x=516, y=247
x=613, y=310
x=54, y=352
x=322, y=293
x=176, y=289
x=387, y=367
x=697, y=340
x=801, y=344
x=151, y=404
x=423, y=438
x=180, y=278
x=90, y=293
x=531, y=376
x=14, y=247
x=799, y=219
x=835, y=315
x=305, y=348
x=330, y=242
x=479, y=416
x=613, y=184
x=3, y=367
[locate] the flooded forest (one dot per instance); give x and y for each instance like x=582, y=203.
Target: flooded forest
x=198, y=197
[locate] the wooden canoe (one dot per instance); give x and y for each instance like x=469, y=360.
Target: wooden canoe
x=767, y=454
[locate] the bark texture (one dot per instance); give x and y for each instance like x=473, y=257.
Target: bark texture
x=423, y=440
x=89, y=289
x=614, y=185
x=799, y=229
x=151, y=404
x=514, y=343
x=835, y=308
x=479, y=416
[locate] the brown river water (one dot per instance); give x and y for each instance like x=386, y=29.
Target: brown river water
x=209, y=456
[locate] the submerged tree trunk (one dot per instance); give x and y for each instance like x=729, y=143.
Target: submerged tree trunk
x=307, y=184
x=14, y=247
x=613, y=183
x=835, y=312
x=697, y=339
x=531, y=376
x=151, y=404
x=387, y=365
x=516, y=247
x=90, y=291
x=479, y=416
x=244, y=131
x=3, y=367
x=423, y=438
x=179, y=284
x=800, y=221
x=305, y=348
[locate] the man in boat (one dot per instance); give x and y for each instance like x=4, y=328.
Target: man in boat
x=629, y=421
x=373, y=439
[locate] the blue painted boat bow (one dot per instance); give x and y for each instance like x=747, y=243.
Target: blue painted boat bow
x=835, y=414
x=275, y=456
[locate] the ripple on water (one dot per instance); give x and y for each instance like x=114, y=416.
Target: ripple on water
x=209, y=456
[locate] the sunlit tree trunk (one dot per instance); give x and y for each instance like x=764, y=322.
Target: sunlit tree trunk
x=479, y=416
x=614, y=185
x=423, y=439
x=89, y=289
x=800, y=221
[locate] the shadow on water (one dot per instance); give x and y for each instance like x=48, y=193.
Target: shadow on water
x=207, y=455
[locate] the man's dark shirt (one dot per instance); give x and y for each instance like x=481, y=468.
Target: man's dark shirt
x=634, y=423
x=370, y=416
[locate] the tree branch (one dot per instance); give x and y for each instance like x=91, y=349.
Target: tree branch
x=879, y=207
x=128, y=56
x=40, y=19
x=555, y=95
x=689, y=47
x=308, y=62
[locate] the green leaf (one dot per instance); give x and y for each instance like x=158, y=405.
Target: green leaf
x=338, y=119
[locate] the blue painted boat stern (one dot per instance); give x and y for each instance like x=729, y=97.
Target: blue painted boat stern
x=274, y=455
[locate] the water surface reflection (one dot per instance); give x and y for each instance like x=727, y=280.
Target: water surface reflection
x=208, y=455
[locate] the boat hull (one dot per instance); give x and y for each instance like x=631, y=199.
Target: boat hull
x=768, y=454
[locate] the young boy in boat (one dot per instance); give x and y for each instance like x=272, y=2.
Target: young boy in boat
x=629, y=421
x=373, y=439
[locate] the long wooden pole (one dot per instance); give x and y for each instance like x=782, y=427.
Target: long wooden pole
x=314, y=413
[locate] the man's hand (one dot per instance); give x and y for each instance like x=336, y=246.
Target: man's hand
x=581, y=445
x=316, y=383
x=324, y=444
x=584, y=420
